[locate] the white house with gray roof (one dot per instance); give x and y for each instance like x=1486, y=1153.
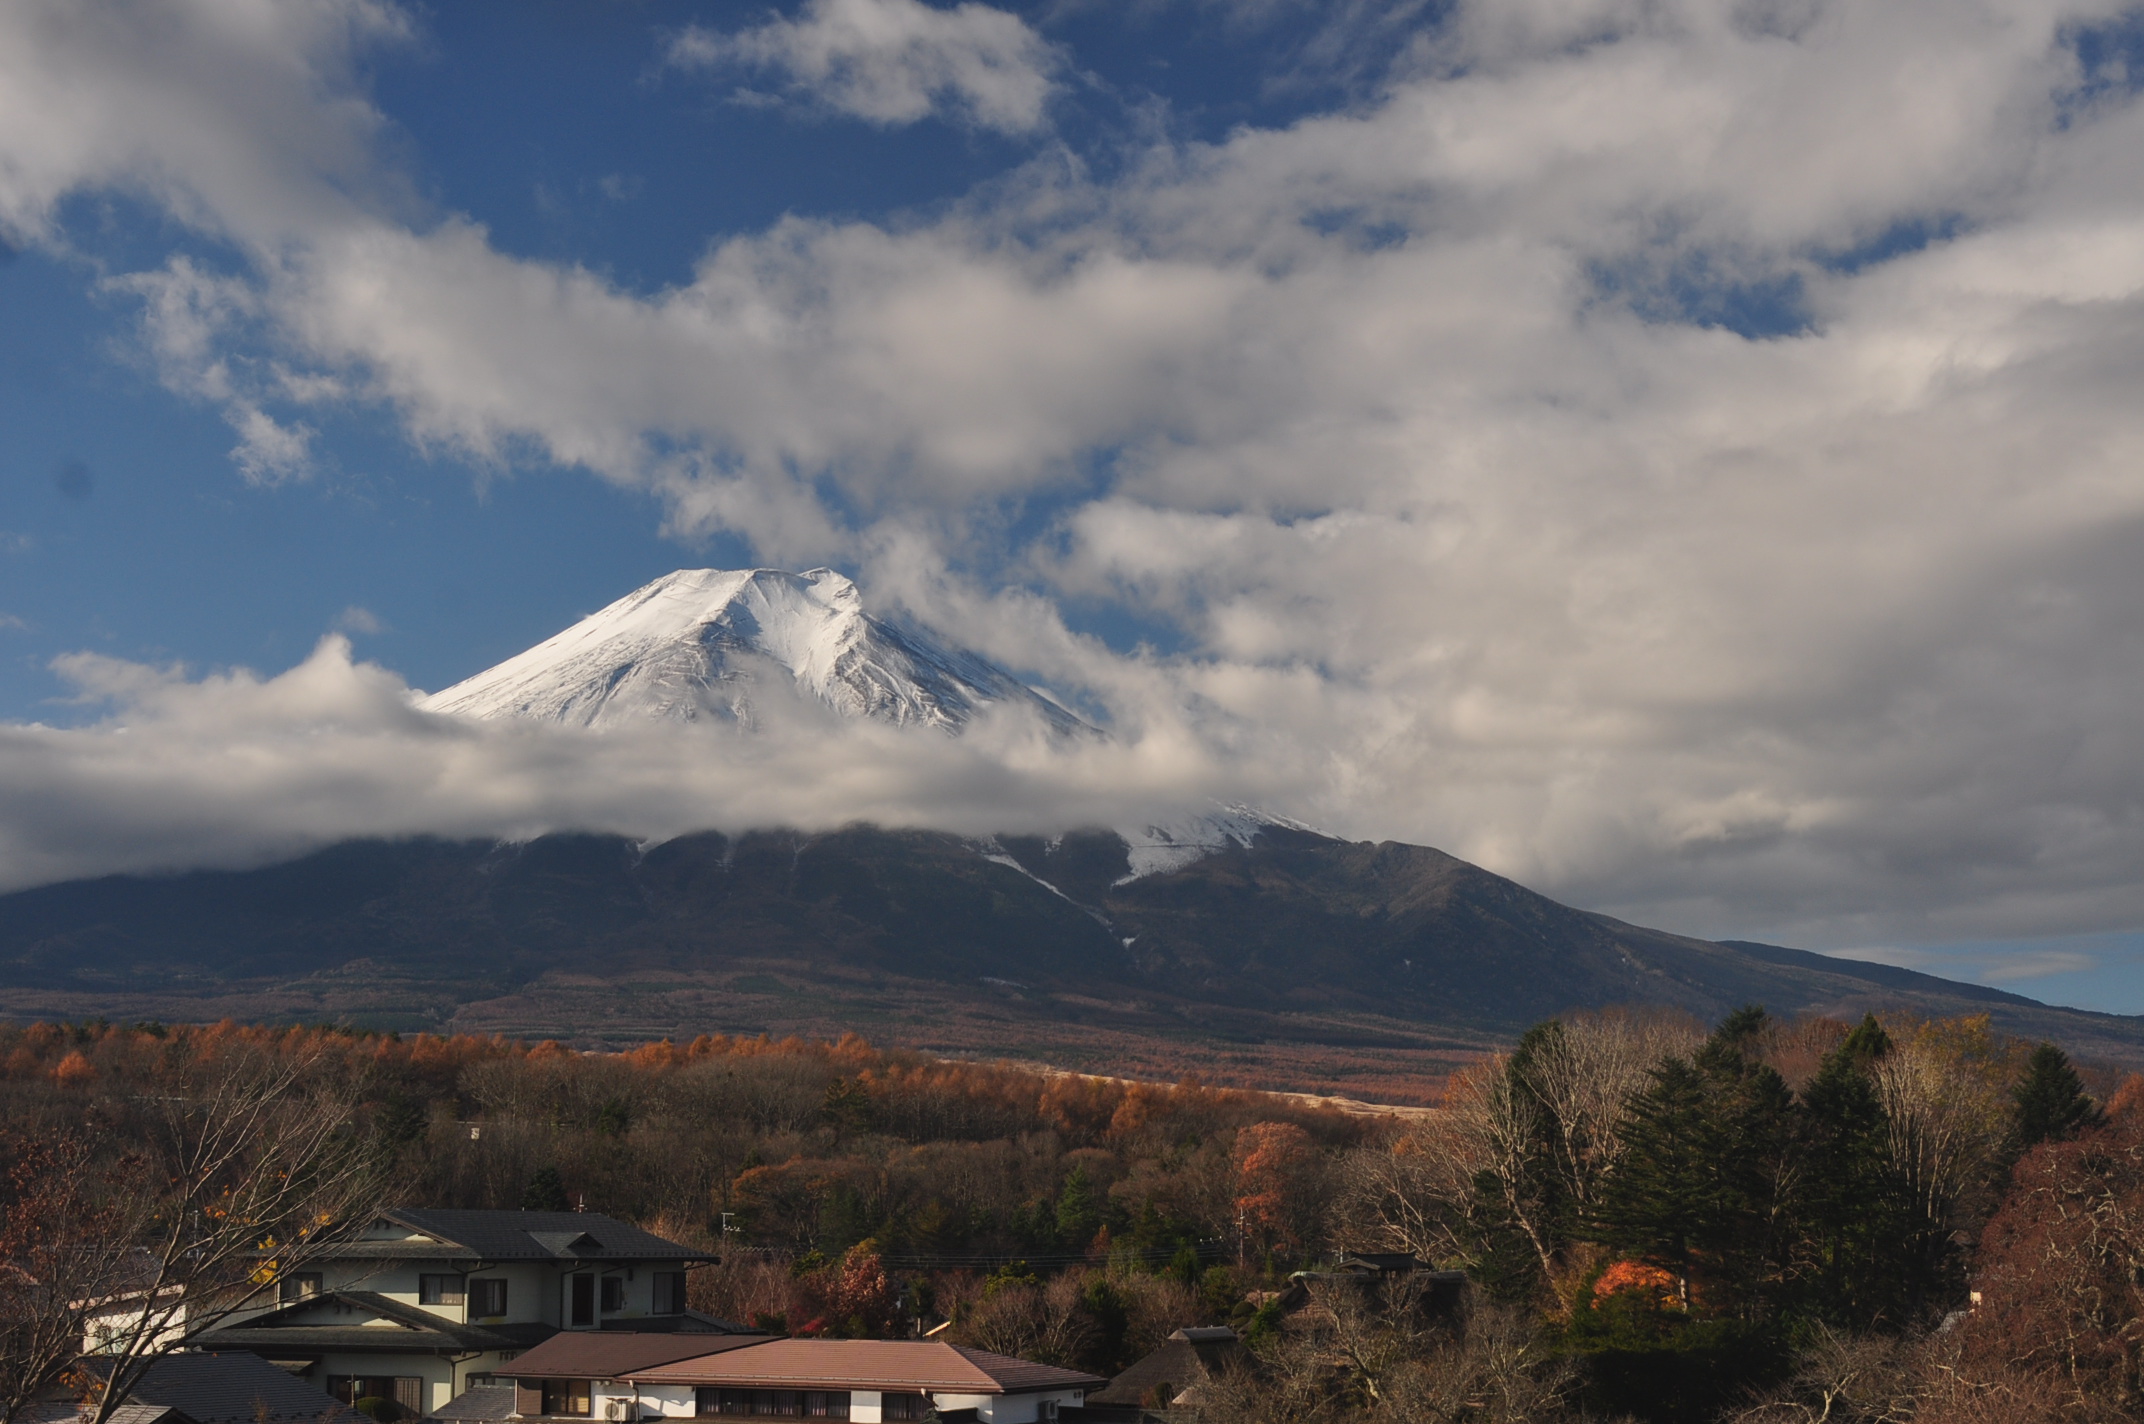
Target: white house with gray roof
x=416, y=1306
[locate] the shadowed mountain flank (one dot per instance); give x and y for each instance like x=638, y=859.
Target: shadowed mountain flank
x=1011, y=945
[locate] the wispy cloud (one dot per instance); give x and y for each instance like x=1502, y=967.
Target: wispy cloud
x=893, y=61
x=355, y=619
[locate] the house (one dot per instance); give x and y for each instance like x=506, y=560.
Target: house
x=234, y=1388
x=1385, y=1276
x=136, y=1306
x=1173, y=1375
x=416, y=1306
x=625, y=1377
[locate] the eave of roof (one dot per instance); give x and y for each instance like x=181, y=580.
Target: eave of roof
x=868, y=1364
x=412, y=1329
x=618, y=1354
x=520, y=1236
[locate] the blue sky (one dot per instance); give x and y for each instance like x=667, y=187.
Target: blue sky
x=556, y=126
x=1683, y=456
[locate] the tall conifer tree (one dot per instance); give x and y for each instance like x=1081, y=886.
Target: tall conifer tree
x=2052, y=1105
x=1702, y=1189
x=1853, y=1255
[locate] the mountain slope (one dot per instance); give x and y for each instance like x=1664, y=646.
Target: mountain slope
x=733, y=646
x=1016, y=945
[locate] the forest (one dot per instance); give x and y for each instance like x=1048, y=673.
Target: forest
x=1659, y=1220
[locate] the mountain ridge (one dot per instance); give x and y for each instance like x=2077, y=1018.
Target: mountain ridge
x=1297, y=960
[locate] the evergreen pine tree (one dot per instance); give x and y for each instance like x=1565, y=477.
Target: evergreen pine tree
x=1078, y=1215
x=546, y=1191
x=2051, y=1101
x=1708, y=1156
x=1854, y=1253
x=1659, y=1203
x=1867, y=1043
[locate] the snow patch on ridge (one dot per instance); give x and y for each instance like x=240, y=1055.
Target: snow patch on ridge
x=1180, y=841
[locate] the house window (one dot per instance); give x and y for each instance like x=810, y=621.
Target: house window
x=440, y=1290
x=302, y=1286
x=565, y=1396
x=904, y=1406
x=669, y=1292
x=401, y=1395
x=487, y=1297
x=613, y=1294
x=772, y=1404
x=580, y=1302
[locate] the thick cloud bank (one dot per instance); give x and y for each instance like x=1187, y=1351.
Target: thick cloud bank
x=235, y=770
x=1685, y=455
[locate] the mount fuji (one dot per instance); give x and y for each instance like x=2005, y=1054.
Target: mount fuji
x=732, y=646
x=729, y=646
x=1225, y=941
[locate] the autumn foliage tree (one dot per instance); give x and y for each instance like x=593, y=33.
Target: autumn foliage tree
x=2061, y=1277
x=1273, y=1161
x=236, y=1176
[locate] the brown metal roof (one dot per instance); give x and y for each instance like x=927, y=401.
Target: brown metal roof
x=866, y=1364
x=615, y=1354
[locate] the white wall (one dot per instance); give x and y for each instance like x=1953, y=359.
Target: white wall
x=670, y=1401
x=680, y=1402
x=107, y=1331
x=1010, y=1408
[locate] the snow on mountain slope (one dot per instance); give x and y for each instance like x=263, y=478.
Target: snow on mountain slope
x=1182, y=840
x=705, y=644
x=731, y=646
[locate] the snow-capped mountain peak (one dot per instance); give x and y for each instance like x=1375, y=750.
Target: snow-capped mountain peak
x=702, y=644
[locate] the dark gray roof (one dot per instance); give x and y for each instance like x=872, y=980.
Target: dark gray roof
x=523, y=1236
x=1184, y=1360
x=482, y=1405
x=230, y=1387
x=67, y=1411
x=277, y=1333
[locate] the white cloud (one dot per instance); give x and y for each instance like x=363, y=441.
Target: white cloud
x=1415, y=420
x=234, y=769
x=269, y=452
x=236, y=114
x=894, y=61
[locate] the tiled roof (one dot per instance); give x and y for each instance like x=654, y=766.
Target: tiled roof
x=521, y=1236
x=484, y=1404
x=1184, y=1360
x=280, y=1331
x=869, y=1364
x=67, y=1411
x=226, y=1387
x=613, y=1354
